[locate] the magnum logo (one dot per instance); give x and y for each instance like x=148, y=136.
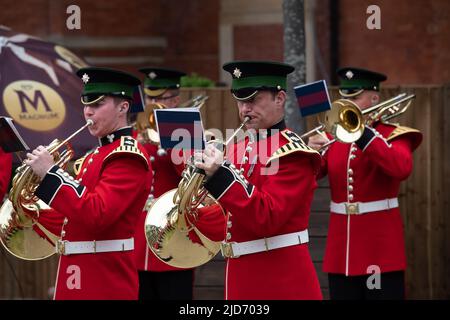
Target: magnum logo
x=34, y=105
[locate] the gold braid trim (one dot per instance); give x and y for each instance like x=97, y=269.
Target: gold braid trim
x=295, y=144
x=128, y=145
x=400, y=130
x=78, y=164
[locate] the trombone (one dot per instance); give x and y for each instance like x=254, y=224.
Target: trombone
x=345, y=120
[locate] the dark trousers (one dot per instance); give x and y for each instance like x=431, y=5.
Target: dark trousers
x=169, y=285
x=392, y=287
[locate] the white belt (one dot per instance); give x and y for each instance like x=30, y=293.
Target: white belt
x=76, y=247
x=235, y=249
x=363, y=207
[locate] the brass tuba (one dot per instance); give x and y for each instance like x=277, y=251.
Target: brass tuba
x=19, y=213
x=173, y=215
x=345, y=121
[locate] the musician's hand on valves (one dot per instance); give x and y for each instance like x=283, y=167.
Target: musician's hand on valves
x=40, y=161
x=210, y=160
x=317, y=141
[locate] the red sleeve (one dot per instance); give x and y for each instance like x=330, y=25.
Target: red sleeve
x=211, y=222
x=121, y=180
x=323, y=170
x=270, y=206
x=51, y=220
x=395, y=158
x=5, y=172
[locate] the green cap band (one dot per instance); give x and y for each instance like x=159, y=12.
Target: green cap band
x=107, y=88
x=359, y=84
x=259, y=81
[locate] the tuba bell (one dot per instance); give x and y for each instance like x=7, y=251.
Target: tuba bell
x=21, y=234
x=172, y=217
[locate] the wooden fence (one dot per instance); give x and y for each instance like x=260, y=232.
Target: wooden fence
x=423, y=202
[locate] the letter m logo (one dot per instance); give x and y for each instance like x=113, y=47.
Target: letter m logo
x=35, y=102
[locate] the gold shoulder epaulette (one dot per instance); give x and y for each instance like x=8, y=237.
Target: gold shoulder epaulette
x=400, y=130
x=128, y=145
x=295, y=144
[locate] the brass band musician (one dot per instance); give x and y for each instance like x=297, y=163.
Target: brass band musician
x=365, y=233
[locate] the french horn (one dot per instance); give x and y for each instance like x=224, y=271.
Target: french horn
x=19, y=213
x=172, y=217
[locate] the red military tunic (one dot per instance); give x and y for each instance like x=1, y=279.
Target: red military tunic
x=264, y=204
x=357, y=241
x=103, y=204
x=166, y=176
x=5, y=172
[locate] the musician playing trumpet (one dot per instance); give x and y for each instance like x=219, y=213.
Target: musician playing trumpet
x=96, y=213
x=265, y=183
x=365, y=232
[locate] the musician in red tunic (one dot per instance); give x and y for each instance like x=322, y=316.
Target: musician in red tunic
x=158, y=280
x=266, y=185
x=365, y=232
x=101, y=206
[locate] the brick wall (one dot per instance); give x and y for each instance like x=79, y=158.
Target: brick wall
x=191, y=29
x=258, y=42
x=412, y=46
x=127, y=34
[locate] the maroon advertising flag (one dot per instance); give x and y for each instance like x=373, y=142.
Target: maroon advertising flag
x=40, y=90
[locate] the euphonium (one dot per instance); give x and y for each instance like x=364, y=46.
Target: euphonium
x=172, y=217
x=19, y=214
